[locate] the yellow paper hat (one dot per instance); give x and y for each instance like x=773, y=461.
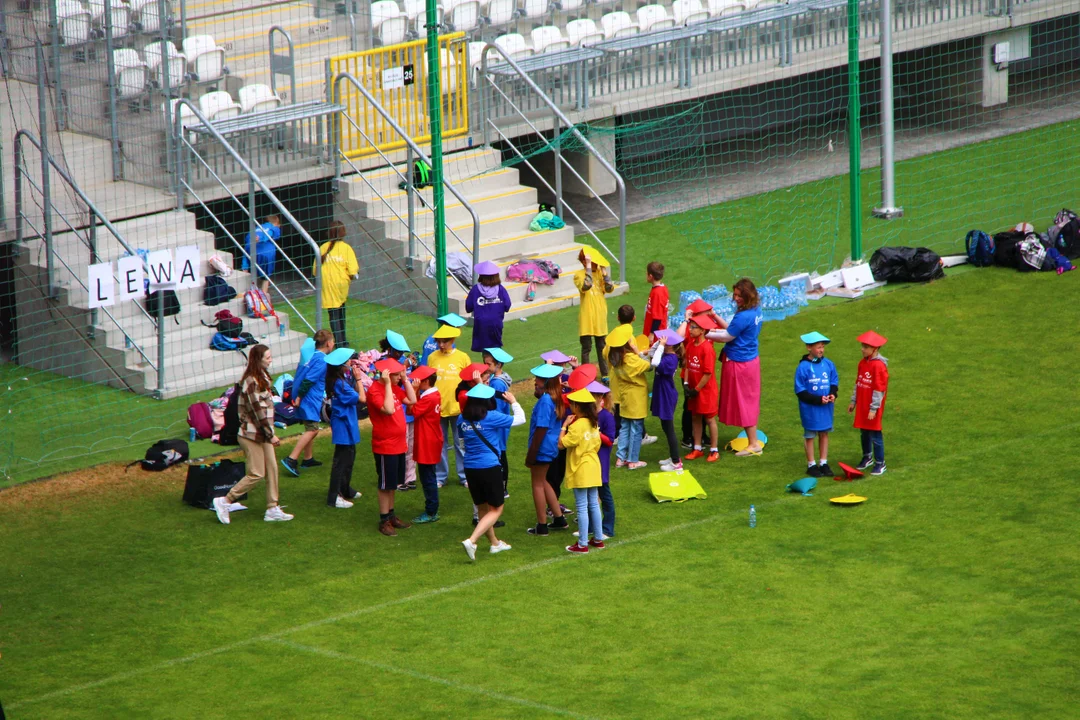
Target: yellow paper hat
x=619, y=336
x=447, y=332
x=581, y=396
x=599, y=259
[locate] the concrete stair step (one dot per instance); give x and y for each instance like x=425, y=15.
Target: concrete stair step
x=508, y=237
x=474, y=186
x=456, y=166
x=512, y=201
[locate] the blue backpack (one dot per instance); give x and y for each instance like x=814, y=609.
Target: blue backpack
x=217, y=290
x=980, y=248
x=223, y=342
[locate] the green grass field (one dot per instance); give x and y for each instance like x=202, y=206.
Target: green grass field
x=950, y=593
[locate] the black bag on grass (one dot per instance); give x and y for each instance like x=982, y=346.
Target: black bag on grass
x=206, y=482
x=1007, y=249
x=905, y=264
x=163, y=454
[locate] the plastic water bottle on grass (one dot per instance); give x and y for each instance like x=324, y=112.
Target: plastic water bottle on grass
x=753, y=517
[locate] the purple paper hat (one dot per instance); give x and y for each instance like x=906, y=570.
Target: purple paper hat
x=597, y=388
x=487, y=268
x=670, y=336
x=555, y=356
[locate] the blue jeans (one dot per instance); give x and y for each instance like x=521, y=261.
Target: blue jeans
x=431, y=488
x=630, y=439
x=873, y=439
x=587, y=501
x=451, y=436
x=607, y=507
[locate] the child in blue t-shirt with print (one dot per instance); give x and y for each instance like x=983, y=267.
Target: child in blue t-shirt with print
x=816, y=385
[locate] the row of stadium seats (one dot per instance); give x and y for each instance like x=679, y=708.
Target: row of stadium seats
x=393, y=24
x=202, y=61
x=220, y=105
x=81, y=22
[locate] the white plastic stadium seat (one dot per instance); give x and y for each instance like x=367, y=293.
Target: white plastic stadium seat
x=415, y=11
x=535, y=8
x=258, y=98
x=218, y=105
x=146, y=15
x=132, y=74
x=177, y=64
x=514, y=45
x=474, y=53
x=724, y=8
x=583, y=32
x=500, y=12
x=187, y=117
x=74, y=23
x=548, y=39
x=448, y=70
x=570, y=5
x=654, y=17
x=121, y=16
x=205, y=57
x=387, y=22
x=688, y=12
x=462, y=15
x=618, y=24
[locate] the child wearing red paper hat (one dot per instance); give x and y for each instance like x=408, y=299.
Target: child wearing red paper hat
x=386, y=400
x=702, y=393
x=868, y=401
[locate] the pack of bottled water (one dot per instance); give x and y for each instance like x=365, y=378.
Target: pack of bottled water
x=685, y=298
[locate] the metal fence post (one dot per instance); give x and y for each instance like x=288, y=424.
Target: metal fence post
x=110, y=66
x=888, y=208
x=409, y=160
x=435, y=114
x=854, y=132
x=166, y=77
x=46, y=188
x=253, y=235
x=556, y=131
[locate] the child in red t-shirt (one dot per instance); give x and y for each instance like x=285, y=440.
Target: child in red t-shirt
x=868, y=401
x=703, y=394
x=386, y=400
x=656, y=307
x=427, y=438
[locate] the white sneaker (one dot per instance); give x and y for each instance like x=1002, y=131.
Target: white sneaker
x=342, y=503
x=276, y=514
x=221, y=507
x=500, y=547
x=666, y=463
x=648, y=439
x=470, y=548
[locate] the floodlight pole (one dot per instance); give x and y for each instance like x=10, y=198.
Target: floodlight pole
x=888, y=209
x=435, y=113
x=854, y=132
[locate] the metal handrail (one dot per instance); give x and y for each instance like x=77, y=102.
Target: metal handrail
x=577, y=133
x=277, y=62
x=412, y=145
x=255, y=180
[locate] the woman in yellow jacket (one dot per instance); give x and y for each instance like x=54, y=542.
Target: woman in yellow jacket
x=580, y=436
x=339, y=268
x=629, y=369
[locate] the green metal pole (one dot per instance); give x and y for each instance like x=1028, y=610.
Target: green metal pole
x=854, y=132
x=435, y=115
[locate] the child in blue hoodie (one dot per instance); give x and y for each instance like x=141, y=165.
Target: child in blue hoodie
x=345, y=391
x=816, y=385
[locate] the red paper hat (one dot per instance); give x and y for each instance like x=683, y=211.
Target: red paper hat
x=470, y=370
x=389, y=366
x=698, y=306
x=582, y=376
x=705, y=322
x=872, y=338
x=422, y=373
x=850, y=473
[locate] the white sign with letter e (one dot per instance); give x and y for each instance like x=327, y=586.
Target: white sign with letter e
x=130, y=271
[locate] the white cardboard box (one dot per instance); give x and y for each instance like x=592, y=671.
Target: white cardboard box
x=829, y=280
x=857, y=276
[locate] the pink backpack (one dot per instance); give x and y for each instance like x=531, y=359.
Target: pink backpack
x=199, y=418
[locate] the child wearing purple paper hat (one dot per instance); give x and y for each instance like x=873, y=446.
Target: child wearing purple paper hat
x=488, y=302
x=665, y=361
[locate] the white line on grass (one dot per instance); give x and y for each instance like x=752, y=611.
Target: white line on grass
x=475, y=689
x=367, y=610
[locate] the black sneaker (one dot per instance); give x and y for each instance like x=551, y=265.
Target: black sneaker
x=475, y=522
x=879, y=469
x=558, y=524
x=867, y=461
x=826, y=471
x=500, y=523
x=812, y=471
x=310, y=463
x=687, y=444
x=289, y=464
x=540, y=529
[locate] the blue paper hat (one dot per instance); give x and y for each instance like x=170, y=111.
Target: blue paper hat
x=453, y=320
x=814, y=337
x=803, y=486
x=307, y=350
x=397, y=341
x=484, y=392
x=500, y=355
x=340, y=356
x=547, y=371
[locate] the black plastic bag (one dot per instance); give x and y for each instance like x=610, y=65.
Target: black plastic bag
x=905, y=264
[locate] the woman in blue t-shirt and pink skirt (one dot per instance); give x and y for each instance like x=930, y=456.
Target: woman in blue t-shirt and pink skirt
x=740, y=374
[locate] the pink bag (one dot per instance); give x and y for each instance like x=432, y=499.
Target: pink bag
x=200, y=418
x=519, y=271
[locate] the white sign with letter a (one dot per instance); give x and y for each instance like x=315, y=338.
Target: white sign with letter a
x=187, y=267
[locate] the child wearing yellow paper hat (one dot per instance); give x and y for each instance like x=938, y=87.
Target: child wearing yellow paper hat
x=633, y=395
x=593, y=282
x=868, y=400
x=580, y=436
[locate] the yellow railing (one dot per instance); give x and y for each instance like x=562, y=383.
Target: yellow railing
x=397, y=76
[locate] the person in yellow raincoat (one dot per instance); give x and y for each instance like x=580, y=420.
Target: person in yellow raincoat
x=339, y=268
x=593, y=282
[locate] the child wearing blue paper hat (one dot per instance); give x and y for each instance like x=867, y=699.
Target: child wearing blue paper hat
x=816, y=385
x=500, y=382
x=345, y=391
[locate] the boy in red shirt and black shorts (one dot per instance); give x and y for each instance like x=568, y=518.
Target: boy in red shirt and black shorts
x=868, y=401
x=702, y=392
x=656, y=307
x=427, y=438
x=386, y=400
